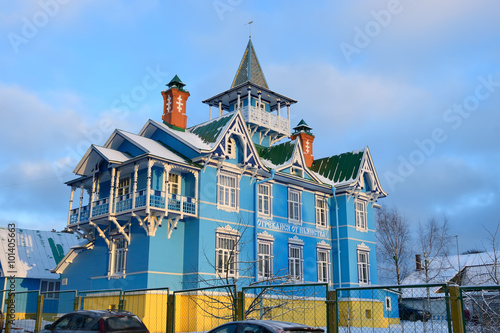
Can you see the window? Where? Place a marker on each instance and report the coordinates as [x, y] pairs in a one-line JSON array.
[[227, 191], [294, 206], [265, 259], [363, 267], [360, 215], [321, 212], [388, 303], [118, 256], [297, 171], [174, 184], [226, 252], [265, 199], [295, 260], [124, 186], [228, 328], [231, 148], [323, 265], [47, 286]]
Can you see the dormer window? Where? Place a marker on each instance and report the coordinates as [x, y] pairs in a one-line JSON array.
[[296, 171]]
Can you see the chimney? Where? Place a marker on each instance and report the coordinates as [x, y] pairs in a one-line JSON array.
[[418, 262], [303, 131], [174, 104]]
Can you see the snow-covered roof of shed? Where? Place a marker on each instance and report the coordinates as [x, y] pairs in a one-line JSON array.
[[36, 252]]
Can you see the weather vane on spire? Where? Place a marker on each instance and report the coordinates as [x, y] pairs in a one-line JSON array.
[[249, 29]]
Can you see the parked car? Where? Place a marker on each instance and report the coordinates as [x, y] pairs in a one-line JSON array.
[[408, 313], [2, 319], [264, 326], [97, 320]]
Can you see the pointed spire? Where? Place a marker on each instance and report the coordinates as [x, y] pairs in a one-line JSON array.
[[176, 83], [302, 127], [249, 69]]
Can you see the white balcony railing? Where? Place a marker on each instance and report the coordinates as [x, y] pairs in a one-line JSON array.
[[265, 119]]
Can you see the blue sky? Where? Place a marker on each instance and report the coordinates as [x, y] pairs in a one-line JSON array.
[[416, 81]]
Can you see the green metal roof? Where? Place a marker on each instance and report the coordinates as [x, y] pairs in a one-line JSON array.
[[176, 83], [277, 154], [249, 69], [209, 132], [339, 168]]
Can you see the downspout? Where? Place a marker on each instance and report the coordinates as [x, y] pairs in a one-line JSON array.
[[338, 235], [256, 202]]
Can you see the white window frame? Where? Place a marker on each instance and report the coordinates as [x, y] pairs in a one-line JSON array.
[[323, 265], [388, 303], [321, 212], [118, 256], [226, 259], [231, 148], [360, 210], [294, 206], [297, 171], [363, 257], [174, 182], [227, 194], [123, 186], [50, 287], [265, 257], [263, 198], [296, 263]]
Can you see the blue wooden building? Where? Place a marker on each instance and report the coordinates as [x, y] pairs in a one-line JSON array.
[[240, 196]]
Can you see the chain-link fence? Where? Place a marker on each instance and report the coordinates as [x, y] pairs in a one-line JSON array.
[[202, 309], [56, 304], [416, 308], [298, 303], [481, 308], [150, 305]]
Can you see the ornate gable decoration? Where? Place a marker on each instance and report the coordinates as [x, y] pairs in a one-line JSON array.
[[367, 176]]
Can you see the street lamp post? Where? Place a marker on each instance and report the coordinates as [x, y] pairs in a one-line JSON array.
[[458, 254]]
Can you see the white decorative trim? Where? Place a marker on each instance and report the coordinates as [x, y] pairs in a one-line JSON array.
[[363, 247], [323, 245], [227, 230], [265, 236], [295, 241]]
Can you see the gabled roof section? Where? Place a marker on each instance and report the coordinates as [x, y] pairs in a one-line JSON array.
[[249, 69], [94, 155], [210, 131], [348, 169], [284, 155], [339, 169], [37, 251]]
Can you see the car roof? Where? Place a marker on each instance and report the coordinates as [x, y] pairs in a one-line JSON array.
[[274, 324], [103, 313]]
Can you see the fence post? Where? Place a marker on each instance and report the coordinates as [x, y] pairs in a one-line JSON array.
[[76, 306], [456, 308], [171, 313], [239, 306], [11, 312], [331, 314], [39, 311]]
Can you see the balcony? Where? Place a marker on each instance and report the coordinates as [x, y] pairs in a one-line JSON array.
[[262, 118], [125, 204]]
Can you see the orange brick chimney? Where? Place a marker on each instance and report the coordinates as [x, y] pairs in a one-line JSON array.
[[174, 104], [303, 131]]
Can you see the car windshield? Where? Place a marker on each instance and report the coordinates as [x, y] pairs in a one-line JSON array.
[[123, 322]]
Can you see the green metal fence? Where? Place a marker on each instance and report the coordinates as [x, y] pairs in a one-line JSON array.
[[150, 305], [57, 303], [415, 308], [481, 308], [299, 303], [202, 309]]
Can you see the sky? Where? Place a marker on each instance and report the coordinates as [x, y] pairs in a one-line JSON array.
[[418, 82]]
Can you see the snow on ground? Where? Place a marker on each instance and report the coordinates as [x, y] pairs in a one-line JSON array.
[[26, 325]]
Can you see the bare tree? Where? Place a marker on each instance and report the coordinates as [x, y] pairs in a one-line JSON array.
[[393, 246], [433, 242]]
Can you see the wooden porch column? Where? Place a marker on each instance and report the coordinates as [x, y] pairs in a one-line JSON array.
[[166, 175], [134, 185], [111, 191], [196, 191], [239, 100], [220, 108], [210, 116], [71, 203], [249, 90], [92, 195], [81, 202], [148, 188], [279, 104]]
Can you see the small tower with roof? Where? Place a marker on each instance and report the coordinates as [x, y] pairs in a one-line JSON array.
[[174, 104], [266, 113], [303, 131]]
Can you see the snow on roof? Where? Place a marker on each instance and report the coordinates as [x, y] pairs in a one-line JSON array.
[[36, 252], [189, 138], [152, 147], [111, 154]]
